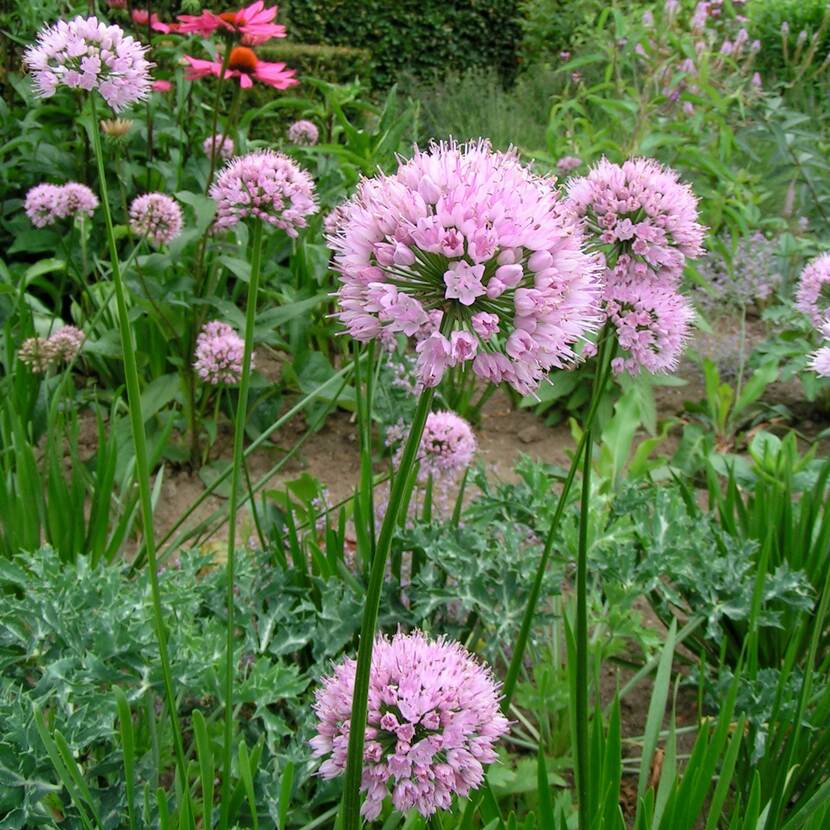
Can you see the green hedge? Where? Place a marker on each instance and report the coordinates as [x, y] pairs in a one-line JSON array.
[[337, 64], [424, 38]]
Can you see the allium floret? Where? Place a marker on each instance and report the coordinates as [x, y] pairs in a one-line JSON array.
[[88, 54], [157, 217], [433, 722], [263, 185], [303, 133], [219, 353], [460, 231], [813, 293]]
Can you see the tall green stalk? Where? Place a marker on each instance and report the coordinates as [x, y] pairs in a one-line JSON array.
[[354, 762], [238, 439], [581, 702], [142, 467], [603, 371]]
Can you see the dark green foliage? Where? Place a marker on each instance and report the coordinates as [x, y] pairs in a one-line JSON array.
[[766, 18], [421, 37], [336, 64]]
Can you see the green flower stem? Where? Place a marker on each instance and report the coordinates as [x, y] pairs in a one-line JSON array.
[[581, 702], [354, 763], [142, 466], [238, 439], [606, 349]]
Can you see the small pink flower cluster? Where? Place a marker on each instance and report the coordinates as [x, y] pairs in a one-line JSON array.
[[303, 133], [644, 224], [448, 446], [432, 724], [156, 217], [219, 353], [813, 293], [263, 185], [820, 360], [472, 254], [220, 144], [39, 353], [47, 203], [88, 54]]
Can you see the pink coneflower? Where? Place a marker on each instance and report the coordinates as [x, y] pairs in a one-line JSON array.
[[157, 217], [219, 144], [254, 24], [219, 352], [86, 54], [245, 65], [813, 293], [141, 17], [304, 133], [461, 230], [433, 722], [263, 185]]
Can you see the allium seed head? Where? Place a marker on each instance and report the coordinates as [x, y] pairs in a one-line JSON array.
[[304, 133]]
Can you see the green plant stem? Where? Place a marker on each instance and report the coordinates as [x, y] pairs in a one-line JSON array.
[[354, 762], [581, 702], [603, 371], [142, 468], [238, 438]]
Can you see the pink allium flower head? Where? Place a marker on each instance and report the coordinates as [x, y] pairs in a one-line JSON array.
[[447, 446], [39, 353], [263, 185], [47, 203], [459, 230], [643, 218], [652, 326], [224, 147], [820, 362], [76, 199], [87, 54], [219, 353], [304, 133], [568, 163], [813, 293], [66, 343], [433, 721], [43, 205], [246, 66], [254, 24], [36, 354], [157, 217]]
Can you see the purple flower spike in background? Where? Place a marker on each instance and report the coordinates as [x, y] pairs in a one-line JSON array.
[[434, 720], [88, 54], [461, 234]]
